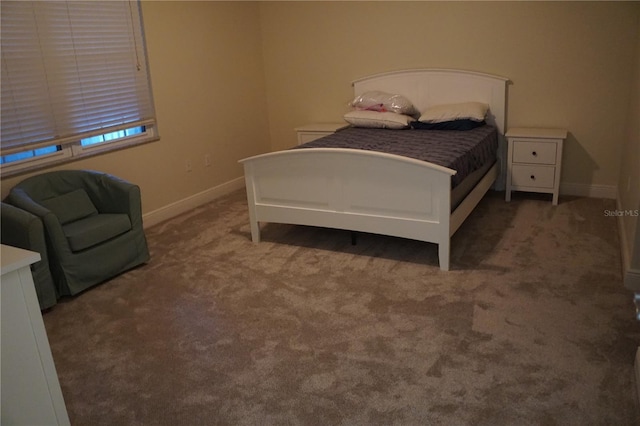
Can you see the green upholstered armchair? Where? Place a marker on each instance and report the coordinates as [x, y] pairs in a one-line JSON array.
[[23, 230], [92, 222]]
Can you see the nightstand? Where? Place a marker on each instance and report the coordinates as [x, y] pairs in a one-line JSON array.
[[312, 132], [534, 160]]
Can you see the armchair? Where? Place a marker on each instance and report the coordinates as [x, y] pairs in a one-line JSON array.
[[92, 222], [23, 230]]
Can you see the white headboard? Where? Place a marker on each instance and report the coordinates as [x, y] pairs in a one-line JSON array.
[[432, 86]]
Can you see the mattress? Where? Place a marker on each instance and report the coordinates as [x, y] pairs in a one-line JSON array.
[[463, 151]]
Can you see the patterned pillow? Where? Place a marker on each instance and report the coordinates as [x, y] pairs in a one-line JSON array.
[[467, 110], [378, 120]]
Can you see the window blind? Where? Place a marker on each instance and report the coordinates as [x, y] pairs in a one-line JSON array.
[[71, 70]]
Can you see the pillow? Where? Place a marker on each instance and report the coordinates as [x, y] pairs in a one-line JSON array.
[[71, 206], [378, 120], [464, 124], [467, 110], [376, 100]]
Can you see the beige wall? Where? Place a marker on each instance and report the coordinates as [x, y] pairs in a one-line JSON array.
[[218, 66], [570, 63], [208, 83]]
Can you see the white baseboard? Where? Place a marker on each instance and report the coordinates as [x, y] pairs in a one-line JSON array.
[[186, 204], [589, 191], [174, 209]]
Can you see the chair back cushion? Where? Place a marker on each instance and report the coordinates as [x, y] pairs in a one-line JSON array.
[[71, 206]]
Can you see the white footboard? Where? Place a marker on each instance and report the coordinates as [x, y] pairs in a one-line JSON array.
[[371, 191], [351, 189]]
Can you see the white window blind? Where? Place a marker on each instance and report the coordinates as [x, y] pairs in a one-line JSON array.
[[71, 70]]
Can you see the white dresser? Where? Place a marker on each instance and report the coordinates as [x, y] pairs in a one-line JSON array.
[[31, 393], [534, 160]]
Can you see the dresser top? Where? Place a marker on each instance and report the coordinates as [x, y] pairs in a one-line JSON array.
[[536, 132], [14, 258]]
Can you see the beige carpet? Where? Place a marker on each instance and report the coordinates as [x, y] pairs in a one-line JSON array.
[[531, 327]]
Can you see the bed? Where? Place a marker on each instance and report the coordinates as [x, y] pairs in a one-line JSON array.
[[379, 192]]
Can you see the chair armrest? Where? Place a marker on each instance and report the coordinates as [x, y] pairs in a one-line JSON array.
[[111, 194], [19, 198], [25, 230], [22, 229]]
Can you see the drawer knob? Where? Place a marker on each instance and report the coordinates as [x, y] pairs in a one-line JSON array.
[[535, 154], [533, 177]]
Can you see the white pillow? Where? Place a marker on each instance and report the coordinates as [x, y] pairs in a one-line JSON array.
[[378, 120], [475, 111], [376, 100]]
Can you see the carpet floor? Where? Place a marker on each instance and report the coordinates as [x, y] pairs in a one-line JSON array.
[[532, 326]]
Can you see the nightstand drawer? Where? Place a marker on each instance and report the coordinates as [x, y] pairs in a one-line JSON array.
[[533, 176], [534, 152]]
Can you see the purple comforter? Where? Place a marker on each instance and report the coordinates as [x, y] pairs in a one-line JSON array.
[[463, 151]]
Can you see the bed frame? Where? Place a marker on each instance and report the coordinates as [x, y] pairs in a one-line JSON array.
[[375, 192]]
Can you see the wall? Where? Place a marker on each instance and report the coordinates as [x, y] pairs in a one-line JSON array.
[[217, 66], [208, 83], [569, 62], [629, 182]]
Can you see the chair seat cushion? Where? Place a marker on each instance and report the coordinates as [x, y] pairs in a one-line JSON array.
[[71, 206], [95, 229]]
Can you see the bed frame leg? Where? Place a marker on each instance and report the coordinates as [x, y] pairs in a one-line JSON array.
[[443, 255], [255, 232]]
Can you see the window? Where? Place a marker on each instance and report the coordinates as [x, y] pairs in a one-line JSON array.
[[75, 81], [108, 137], [32, 153]]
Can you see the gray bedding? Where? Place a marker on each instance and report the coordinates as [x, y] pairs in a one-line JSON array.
[[463, 151]]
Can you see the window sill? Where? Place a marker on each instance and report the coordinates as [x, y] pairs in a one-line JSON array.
[[56, 160]]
